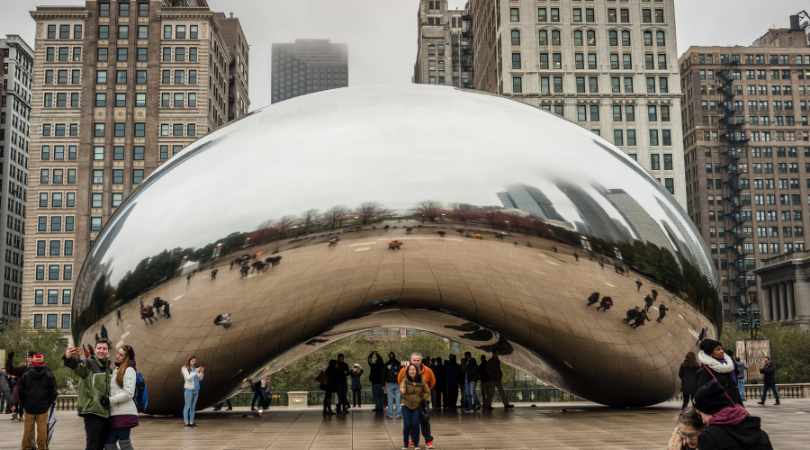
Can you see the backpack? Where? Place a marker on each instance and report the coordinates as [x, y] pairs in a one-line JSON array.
[[141, 397]]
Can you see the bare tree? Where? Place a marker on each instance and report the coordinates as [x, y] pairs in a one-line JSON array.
[[309, 218], [265, 225], [335, 215], [430, 209], [285, 223], [463, 213], [371, 210]]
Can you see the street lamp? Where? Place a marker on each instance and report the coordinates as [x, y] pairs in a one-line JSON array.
[[748, 319]]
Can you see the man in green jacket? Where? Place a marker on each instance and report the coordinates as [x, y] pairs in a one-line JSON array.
[[94, 391]]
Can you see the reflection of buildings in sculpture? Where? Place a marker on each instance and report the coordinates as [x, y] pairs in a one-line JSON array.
[[642, 224], [529, 199], [595, 218], [686, 242]]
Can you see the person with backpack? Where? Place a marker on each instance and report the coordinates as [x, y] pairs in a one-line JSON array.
[[37, 392], [123, 412], [191, 386], [93, 391], [391, 373]]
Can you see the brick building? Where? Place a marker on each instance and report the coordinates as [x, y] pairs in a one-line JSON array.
[[119, 88], [444, 52]]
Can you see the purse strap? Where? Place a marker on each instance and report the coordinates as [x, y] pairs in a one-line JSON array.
[[711, 372]]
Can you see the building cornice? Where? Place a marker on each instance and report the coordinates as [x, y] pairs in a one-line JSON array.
[[17, 41], [60, 12], [190, 13]]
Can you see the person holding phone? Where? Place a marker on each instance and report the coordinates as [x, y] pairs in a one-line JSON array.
[[191, 384], [93, 391], [357, 371]]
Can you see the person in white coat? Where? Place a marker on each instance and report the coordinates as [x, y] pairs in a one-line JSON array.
[[191, 376], [123, 412]]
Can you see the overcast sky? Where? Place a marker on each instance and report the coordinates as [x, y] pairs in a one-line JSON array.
[[382, 34]]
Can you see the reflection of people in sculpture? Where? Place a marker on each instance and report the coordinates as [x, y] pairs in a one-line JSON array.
[[593, 299], [701, 336], [395, 245], [638, 285], [662, 312], [648, 302], [641, 318], [631, 315], [214, 273], [605, 304], [224, 320], [145, 316], [333, 241]]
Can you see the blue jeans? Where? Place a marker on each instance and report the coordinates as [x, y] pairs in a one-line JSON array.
[[410, 425], [2, 404], [342, 390], [117, 434], [765, 392], [472, 397], [464, 400], [191, 404], [741, 387], [393, 392], [257, 396], [377, 392], [219, 405]]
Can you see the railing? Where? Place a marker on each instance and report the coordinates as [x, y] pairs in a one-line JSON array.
[[787, 390], [786, 257]]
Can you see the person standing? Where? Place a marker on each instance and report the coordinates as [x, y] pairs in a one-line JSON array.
[[486, 400], [93, 391], [450, 371], [768, 381], [37, 392], [701, 336], [461, 377], [375, 376], [429, 380], [191, 386], [496, 377], [390, 374], [104, 334], [741, 368], [257, 395], [329, 387], [412, 388], [123, 412], [440, 389], [729, 427], [688, 375], [4, 390], [357, 372], [648, 302], [470, 381], [717, 365], [662, 312], [641, 319], [342, 386]]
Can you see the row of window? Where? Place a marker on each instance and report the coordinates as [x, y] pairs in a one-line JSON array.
[[62, 76], [120, 130], [755, 136], [54, 270], [761, 216], [56, 223], [141, 77], [619, 138], [59, 129], [579, 61], [54, 248], [10, 309], [546, 86], [123, 9], [763, 232], [52, 321], [725, 59], [613, 38], [63, 54], [613, 15], [64, 32], [57, 153], [117, 176]]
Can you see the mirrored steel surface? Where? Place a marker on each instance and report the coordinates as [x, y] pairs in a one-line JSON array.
[[488, 204]]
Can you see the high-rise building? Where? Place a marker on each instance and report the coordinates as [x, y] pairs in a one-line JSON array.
[[16, 70], [238, 47], [610, 66], [119, 87], [307, 66], [747, 156], [444, 54]]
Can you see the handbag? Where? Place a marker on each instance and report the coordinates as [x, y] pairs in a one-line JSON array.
[[424, 411], [322, 378]]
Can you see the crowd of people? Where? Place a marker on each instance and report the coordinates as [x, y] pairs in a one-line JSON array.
[[637, 316]]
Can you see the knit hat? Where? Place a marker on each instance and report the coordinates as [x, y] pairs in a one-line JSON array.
[[708, 346], [711, 398], [38, 360], [31, 354]]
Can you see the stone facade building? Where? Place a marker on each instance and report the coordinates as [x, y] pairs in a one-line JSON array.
[[307, 66], [444, 54], [608, 65], [239, 67], [119, 88], [785, 286], [747, 155], [17, 61]]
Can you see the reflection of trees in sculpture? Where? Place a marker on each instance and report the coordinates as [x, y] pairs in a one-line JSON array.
[[463, 213], [371, 210], [308, 218], [335, 216], [430, 209]]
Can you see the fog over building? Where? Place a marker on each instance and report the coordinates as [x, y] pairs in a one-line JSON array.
[[307, 66]]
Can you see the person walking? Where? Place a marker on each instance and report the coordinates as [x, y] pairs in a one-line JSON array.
[[741, 368], [717, 365], [486, 400], [429, 379], [461, 379], [330, 387], [496, 378], [631, 315], [257, 395], [648, 302], [450, 372], [36, 392], [641, 319], [470, 381], [688, 375], [357, 372], [218, 406], [701, 336], [729, 427], [662, 312], [440, 389], [93, 398], [768, 381], [605, 304], [412, 389], [123, 412], [593, 299], [638, 285], [390, 374], [342, 386], [214, 274], [4, 390], [375, 376], [191, 385], [685, 436], [104, 332]]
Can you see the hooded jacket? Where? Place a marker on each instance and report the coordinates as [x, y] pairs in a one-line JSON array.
[[722, 372], [37, 390], [731, 429], [94, 384]]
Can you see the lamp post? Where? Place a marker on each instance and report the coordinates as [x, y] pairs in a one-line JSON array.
[[748, 319]]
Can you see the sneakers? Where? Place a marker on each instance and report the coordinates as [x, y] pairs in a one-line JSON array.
[[509, 406], [187, 426], [410, 446], [760, 403], [776, 404], [193, 425], [429, 445]]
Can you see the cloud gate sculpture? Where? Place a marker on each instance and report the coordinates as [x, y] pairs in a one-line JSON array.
[[468, 215]]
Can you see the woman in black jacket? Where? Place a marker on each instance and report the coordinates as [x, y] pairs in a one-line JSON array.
[[688, 375], [718, 366], [330, 387]]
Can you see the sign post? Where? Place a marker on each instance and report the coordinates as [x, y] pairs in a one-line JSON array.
[[753, 352]]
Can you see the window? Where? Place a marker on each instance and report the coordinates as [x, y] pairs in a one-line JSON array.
[[646, 15], [517, 85], [541, 14], [630, 113], [613, 38], [667, 161], [555, 14], [53, 272], [591, 38], [142, 54], [51, 31], [104, 10], [558, 84], [137, 176], [118, 153], [138, 153], [631, 138], [120, 77], [123, 10], [618, 137], [67, 272], [96, 201], [191, 129], [66, 317], [143, 32], [516, 60], [625, 15], [98, 176], [514, 14], [180, 32], [179, 100], [627, 62], [123, 31], [515, 37], [557, 61], [666, 137], [179, 54], [625, 38], [51, 325], [648, 41], [118, 176], [140, 78], [103, 31], [120, 129], [611, 15], [95, 224], [140, 102], [543, 37], [167, 31], [651, 85], [193, 32], [555, 38], [659, 16], [628, 85], [577, 17], [177, 129], [117, 198], [578, 38], [594, 84], [582, 113], [101, 77], [655, 163], [663, 85], [660, 39], [580, 84]]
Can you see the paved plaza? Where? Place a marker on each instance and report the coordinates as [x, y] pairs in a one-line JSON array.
[[582, 426]]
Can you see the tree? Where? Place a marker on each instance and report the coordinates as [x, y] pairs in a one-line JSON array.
[[20, 337], [284, 224], [790, 349], [371, 210], [308, 218], [335, 215], [430, 209]]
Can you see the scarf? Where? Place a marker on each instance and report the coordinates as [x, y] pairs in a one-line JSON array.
[[729, 416], [725, 366]]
